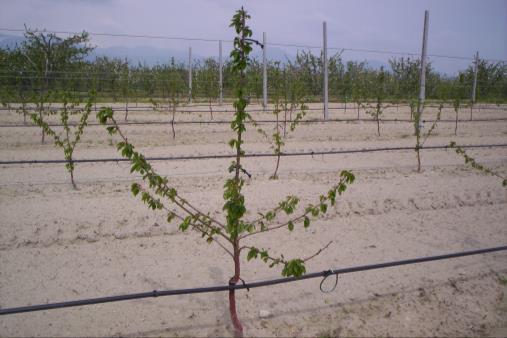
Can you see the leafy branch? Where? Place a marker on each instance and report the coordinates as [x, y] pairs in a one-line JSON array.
[[160, 185], [289, 205], [289, 266], [473, 163]]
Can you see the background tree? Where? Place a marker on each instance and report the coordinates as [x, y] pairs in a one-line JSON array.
[[47, 55], [207, 81]]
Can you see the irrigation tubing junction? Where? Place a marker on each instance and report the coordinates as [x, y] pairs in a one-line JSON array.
[[325, 274], [220, 156]]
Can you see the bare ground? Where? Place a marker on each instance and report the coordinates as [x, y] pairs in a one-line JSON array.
[[57, 243]]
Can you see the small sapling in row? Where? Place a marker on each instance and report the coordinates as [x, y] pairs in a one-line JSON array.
[[417, 128], [278, 139], [67, 139], [456, 103], [377, 109]]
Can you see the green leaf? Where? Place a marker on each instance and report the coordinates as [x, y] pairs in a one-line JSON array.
[[120, 145], [323, 208], [306, 222], [135, 188], [145, 196], [315, 212], [294, 267], [269, 215], [111, 130], [185, 224], [264, 255], [172, 193], [252, 253], [290, 225]]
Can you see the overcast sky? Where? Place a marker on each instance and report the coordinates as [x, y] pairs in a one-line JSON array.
[[456, 27]]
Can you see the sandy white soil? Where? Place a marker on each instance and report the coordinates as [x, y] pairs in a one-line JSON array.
[[58, 244]]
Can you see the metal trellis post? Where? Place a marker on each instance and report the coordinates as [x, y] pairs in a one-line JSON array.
[[220, 75], [324, 62], [190, 74], [264, 74], [474, 84], [422, 77]]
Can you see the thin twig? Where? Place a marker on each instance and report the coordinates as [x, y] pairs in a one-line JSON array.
[[318, 252]]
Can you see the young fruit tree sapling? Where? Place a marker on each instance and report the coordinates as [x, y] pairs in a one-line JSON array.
[[417, 129], [67, 140], [232, 228]]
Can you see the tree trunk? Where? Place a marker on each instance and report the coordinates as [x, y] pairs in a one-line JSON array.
[[40, 116], [23, 106], [172, 121], [418, 161], [456, 125], [285, 122], [210, 108], [72, 176], [238, 328], [417, 149], [275, 174], [126, 109]]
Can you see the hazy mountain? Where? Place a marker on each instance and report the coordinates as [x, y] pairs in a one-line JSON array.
[[154, 55], [10, 41]]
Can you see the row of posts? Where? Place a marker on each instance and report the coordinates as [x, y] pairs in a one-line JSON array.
[[422, 77]]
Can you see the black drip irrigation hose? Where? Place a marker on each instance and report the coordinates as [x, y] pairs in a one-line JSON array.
[[248, 286], [205, 157], [127, 123], [181, 109]]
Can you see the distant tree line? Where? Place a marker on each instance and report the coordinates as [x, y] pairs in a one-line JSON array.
[[45, 64]]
